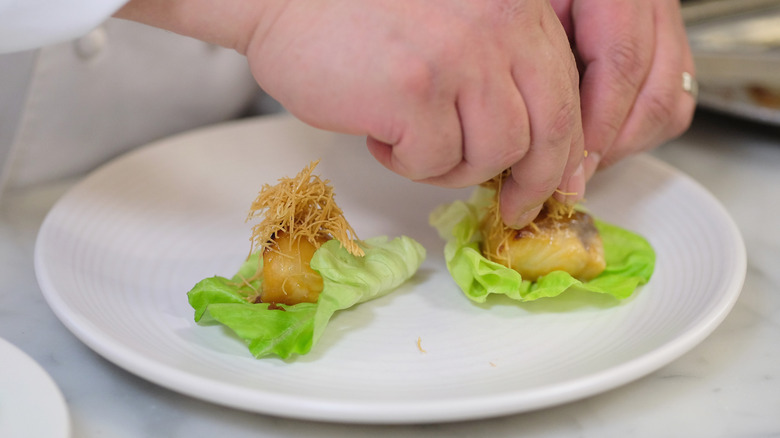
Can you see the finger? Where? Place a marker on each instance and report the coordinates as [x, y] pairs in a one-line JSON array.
[[495, 130], [562, 10], [663, 108], [555, 150], [614, 48], [572, 187], [423, 151], [426, 141]]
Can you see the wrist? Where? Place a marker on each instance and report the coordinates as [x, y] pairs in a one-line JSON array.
[[232, 24]]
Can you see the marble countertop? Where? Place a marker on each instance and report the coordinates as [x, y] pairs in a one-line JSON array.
[[728, 386]]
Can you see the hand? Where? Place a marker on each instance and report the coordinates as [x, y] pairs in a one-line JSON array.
[[447, 92], [632, 55]]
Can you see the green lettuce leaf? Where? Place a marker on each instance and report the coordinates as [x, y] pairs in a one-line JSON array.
[[629, 257], [347, 280]]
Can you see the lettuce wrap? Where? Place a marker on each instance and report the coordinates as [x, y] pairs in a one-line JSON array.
[[629, 258], [286, 330]]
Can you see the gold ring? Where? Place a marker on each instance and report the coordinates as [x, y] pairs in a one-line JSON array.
[[690, 85]]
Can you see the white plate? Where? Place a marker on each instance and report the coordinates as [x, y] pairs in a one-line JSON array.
[[31, 404], [117, 254]]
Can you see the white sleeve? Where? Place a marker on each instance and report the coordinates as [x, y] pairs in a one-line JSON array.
[[29, 24]]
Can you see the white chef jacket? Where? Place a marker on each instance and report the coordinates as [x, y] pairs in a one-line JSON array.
[[78, 88]]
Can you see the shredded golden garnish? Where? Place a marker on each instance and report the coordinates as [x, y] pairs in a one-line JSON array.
[[561, 192], [419, 345], [554, 208], [492, 219], [496, 228], [302, 207]]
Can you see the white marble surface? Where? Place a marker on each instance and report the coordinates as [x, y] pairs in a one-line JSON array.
[[728, 386]]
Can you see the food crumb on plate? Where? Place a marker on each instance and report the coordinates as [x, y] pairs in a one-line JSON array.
[[419, 345]]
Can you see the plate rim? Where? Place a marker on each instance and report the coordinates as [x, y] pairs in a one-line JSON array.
[[58, 416]]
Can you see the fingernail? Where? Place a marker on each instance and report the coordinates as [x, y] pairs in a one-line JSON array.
[[524, 218], [574, 188], [591, 163]]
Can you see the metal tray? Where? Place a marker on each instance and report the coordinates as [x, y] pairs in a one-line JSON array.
[[736, 48]]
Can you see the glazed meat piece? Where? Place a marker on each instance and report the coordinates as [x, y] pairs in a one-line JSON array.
[[287, 276], [560, 239], [298, 216]]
